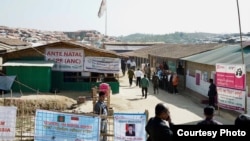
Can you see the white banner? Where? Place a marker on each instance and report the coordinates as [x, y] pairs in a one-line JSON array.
[[231, 99], [7, 123], [102, 64], [66, 59], [130, 127]]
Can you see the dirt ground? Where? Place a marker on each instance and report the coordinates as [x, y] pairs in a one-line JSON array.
[[129, 100]]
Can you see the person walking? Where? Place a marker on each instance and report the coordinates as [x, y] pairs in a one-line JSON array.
[[138, 75], [144, 86], [209, 114], [155, 81], [147, 71], [131, 75], [170, 82], [101, 108], [212, 92], [128, 63], [156, 128], [133, 64], [123, 66]]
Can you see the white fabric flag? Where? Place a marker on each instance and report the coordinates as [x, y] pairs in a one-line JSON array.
[[102, 8]]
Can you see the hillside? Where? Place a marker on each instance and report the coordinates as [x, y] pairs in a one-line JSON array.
[[95, 38], [177, 37]]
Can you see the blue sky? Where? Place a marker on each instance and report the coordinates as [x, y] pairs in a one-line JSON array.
[[126, 17]]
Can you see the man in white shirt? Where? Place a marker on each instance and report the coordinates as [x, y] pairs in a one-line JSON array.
[[133, 64], [128, 64], [138, 75]]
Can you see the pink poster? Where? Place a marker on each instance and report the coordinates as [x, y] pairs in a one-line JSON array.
[[231, 76]]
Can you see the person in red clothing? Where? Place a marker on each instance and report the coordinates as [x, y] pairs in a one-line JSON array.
[[155, 80], [175, 83]]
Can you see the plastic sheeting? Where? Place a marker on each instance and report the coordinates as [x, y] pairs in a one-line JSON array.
[[6, 82]]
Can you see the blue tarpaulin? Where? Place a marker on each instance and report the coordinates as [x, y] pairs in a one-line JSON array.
[[6, 82]]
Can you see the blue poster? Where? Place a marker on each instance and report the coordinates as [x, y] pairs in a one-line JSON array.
[[55, 126]]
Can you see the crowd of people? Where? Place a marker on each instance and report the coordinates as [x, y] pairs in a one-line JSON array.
[[162, 77], [160, 127]]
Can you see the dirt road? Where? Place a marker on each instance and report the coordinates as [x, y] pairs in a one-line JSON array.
[[183, 109], [129, 100]]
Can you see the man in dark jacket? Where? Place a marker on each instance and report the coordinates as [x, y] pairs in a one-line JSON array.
[[209, 114], [212, 92], [144, 86], [101, 108], [242, 120], [131, 75], [157, 128], [123, 66]]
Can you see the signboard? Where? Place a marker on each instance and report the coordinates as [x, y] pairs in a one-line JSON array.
[[66, 59], [231, 99], [102, 64], [172, 66], [7, 123], [231, 76], [130, 127], [66, 127]]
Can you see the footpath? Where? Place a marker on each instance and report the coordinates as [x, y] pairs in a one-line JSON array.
[[183, 108]]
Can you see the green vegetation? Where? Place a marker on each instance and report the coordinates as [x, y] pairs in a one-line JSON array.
[[177, 37]]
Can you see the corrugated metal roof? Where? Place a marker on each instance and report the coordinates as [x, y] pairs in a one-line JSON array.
[[69, 43], [30, 63], [90, 47], [176, 50], [230, 54]]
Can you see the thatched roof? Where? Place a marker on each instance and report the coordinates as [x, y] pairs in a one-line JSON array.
[[174, 50]]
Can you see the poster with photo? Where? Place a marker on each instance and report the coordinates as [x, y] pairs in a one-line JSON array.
[[129, 127], [58, 126], [231, 76]]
